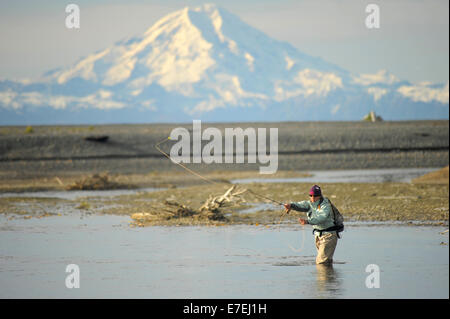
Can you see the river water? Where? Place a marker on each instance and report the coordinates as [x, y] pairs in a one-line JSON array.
[[401, 175], [118, 261]]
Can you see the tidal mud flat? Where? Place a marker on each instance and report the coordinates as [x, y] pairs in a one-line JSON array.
[[149, 186], [416, 202]]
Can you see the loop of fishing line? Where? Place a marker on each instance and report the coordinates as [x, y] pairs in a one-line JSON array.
[[183, 166], [207, 179], [284, 213]]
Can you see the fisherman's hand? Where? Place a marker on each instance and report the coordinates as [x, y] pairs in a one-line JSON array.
[[287, 207], [303, 221]]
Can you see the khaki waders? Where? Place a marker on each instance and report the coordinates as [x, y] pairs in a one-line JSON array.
[[325, 244]]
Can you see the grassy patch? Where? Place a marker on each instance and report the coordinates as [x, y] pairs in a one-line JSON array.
[[29, 130]]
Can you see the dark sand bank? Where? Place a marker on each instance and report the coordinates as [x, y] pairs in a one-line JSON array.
[[51, 151]]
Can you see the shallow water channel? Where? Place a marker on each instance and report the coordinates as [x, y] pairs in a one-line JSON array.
[[400, 175], [118, 261]]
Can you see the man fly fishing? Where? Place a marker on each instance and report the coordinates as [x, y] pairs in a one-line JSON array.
[[321, 215]]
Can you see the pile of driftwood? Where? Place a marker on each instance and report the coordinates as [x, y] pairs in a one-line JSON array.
[[212, 206], [211, 210], [95, 182]]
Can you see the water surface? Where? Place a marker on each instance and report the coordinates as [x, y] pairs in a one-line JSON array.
[[76, 194], [403, 175], [118, 261]]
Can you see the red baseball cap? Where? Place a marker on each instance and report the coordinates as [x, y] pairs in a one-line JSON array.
[[315, 190]]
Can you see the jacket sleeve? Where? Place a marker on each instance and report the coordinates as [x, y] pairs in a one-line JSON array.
[[302, 206], [321, 215]]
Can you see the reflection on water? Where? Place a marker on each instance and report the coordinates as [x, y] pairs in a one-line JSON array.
[[328, 281]]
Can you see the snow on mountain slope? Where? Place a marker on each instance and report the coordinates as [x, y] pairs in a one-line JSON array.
[[205, 62]]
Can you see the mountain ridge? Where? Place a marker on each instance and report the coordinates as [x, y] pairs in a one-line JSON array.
[[206, 63]]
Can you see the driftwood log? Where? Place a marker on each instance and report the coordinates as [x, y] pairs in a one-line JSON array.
[[213, 204], [210, 210]]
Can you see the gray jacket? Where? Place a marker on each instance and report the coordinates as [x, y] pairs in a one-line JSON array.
[[319, 216]]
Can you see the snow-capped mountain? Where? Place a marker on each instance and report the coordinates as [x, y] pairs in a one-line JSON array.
[[205, 63]]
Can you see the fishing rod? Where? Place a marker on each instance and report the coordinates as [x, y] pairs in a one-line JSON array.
[[261, 196]]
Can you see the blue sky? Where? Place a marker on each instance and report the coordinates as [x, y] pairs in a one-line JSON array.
[[412, 41]]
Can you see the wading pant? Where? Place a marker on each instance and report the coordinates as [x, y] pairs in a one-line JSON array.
[[325, 244]]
